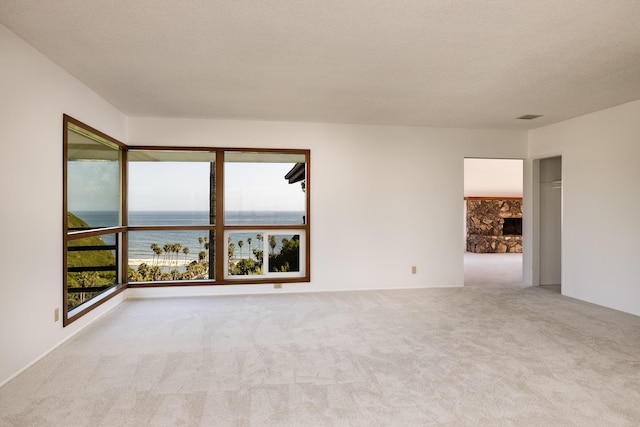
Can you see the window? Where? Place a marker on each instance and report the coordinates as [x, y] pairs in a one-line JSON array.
[[171, 200], [181, 200], [169, 216], [265, 211], [92, 227]]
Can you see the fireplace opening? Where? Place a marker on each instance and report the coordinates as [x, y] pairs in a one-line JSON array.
[[512, 227]]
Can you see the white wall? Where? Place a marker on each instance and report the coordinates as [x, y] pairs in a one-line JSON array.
[[600, 154], [383, 198], [34, 93], [493, 178]]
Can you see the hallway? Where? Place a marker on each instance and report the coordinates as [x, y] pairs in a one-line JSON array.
[[493, 270], [496, 271]]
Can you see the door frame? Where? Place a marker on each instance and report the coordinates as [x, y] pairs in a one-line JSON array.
[[531, 221], [526, 180]]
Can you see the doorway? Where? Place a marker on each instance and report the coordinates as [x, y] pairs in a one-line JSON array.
[[550, 214], [492, 229]]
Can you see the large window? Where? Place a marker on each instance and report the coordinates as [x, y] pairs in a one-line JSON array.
[[216, 216], [93, 222], [167, 216], [171, 202], [265, 213]]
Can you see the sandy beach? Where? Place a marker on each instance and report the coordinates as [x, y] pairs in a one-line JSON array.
[[161, 262]]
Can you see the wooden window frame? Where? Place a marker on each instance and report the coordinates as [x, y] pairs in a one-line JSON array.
[[68, 316], [219, 227]]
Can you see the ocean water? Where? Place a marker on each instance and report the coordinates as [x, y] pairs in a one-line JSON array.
[[140, 241]]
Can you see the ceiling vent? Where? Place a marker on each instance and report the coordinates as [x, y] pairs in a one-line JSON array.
[[529, 116]]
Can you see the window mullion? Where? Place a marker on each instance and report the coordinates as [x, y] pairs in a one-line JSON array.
[[218, 202]]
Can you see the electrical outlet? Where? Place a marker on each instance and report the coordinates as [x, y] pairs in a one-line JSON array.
[[56, 315], [413, 269], [277, 286]]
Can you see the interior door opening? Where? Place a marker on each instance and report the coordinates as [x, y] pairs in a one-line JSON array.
[[550, 228], [492, 229]]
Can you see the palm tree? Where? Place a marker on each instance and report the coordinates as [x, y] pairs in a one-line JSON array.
[[143, 271], [135, 275], [167, 250], [177, 247], [258, 252], [157, 251], [249, 240], [272, 243], [240, 244], [260, 238], [153, 249], [185, 251]]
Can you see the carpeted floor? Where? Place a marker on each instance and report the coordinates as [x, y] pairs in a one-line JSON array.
[[479, 355], [493, 270], [497, 270]]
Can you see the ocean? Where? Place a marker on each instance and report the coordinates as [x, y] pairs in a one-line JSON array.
[[140, 241]]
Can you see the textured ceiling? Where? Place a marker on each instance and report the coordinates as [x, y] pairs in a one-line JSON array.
[[422, 62]]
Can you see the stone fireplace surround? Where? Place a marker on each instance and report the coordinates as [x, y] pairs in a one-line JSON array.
[[485, 221]]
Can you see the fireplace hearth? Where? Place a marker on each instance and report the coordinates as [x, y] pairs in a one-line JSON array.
[[494, 225], [512, 227]]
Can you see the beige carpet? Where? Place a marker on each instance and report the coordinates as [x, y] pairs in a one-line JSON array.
[[493, 270], [478, 355]]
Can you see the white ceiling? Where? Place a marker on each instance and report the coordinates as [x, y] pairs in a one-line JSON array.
[[456, 63]]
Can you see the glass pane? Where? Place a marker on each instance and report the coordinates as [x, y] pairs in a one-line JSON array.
[[264, 188], [171, 187], [170, 255], [168, 217], [245, 253], [284, 252], [91, 268], [93, 180]]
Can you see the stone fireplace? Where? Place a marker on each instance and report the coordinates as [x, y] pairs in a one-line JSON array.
[[494, 225]]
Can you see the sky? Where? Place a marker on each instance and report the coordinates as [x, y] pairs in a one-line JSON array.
[[183, 186], [93, 186]]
